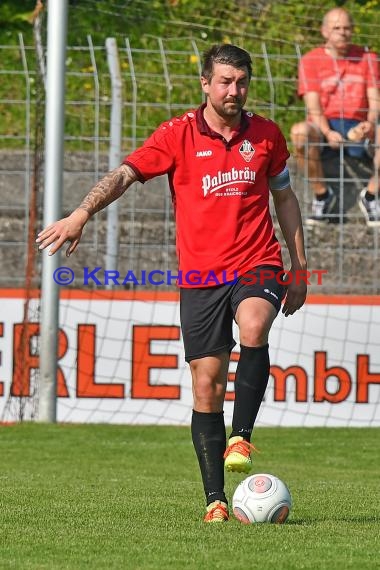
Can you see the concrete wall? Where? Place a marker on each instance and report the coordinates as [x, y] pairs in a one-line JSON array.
[[348, 250]]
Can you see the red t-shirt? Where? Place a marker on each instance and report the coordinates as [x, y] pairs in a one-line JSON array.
[[220, 193], [341, 83]]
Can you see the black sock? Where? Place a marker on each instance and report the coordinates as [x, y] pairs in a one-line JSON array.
[[251, 380], [209, 439]]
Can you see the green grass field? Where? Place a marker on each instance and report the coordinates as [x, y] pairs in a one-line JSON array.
[[120, 497]]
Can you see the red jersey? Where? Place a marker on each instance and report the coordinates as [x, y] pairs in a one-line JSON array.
[[220, 193], [341, 82]]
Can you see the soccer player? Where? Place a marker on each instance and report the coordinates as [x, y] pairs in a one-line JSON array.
[[339, 83], [222, 163]]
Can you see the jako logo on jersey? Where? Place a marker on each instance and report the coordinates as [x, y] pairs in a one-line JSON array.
[[204, 153], [221, 179], [247, 151]]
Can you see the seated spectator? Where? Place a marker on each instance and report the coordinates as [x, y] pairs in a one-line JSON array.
[[339, 83]]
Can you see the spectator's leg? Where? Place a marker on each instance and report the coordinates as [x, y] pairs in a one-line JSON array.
[[374, 182], [306, 138], [369, 202]]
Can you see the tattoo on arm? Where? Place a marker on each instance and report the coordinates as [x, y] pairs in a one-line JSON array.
[[108, 189]]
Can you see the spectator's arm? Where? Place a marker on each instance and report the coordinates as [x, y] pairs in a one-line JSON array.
[[315, 112], [373, 105]]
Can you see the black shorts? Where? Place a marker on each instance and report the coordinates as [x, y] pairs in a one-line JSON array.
[[207, 313]]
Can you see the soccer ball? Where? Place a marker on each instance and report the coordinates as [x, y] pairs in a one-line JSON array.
[[261, 498]]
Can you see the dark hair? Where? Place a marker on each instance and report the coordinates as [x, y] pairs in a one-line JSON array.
[[227, 54]]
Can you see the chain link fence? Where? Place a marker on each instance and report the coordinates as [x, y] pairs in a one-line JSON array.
[[155, 85]]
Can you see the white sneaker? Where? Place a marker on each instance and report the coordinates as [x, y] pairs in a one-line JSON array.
[[370, 209], [320, 209]]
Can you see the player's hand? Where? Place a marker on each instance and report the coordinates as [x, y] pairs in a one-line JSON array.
[[334, 139], [65, 230], [296, 292]]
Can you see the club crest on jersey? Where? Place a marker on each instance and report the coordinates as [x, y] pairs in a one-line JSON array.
[[247, 151]]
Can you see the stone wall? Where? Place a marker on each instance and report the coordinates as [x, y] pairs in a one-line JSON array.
[[347, 250]]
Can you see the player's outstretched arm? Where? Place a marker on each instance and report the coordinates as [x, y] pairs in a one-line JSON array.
[[69, 229], [289, 218], [65, 230]]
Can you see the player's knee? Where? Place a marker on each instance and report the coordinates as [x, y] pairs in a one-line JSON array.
[[208, 395], [206, 390], [254, 334]]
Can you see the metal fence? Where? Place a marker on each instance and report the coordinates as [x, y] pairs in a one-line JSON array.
[[155, 84]]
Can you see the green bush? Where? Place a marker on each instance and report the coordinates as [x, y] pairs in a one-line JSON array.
[[277, 28]]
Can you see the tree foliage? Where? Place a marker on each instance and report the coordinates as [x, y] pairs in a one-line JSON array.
[[278, 23], [279, 28]]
